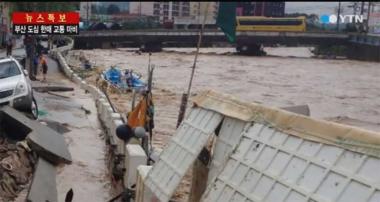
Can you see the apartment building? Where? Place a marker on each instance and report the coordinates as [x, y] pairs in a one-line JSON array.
[[5, 21], [198, 10], [165, 11], [268, 9]]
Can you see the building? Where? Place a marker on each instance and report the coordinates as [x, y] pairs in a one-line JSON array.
[[374, 19], [198, 9], [5, 21], [268, 9], [165, 11], [85, 10]]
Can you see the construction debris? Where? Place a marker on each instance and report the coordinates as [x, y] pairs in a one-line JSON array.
[[85, 110], [43, 187], [43, 89], [45, 141], [16, 168], [59, 95]]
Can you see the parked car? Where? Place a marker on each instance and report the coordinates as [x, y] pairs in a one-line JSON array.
[[15, 87]]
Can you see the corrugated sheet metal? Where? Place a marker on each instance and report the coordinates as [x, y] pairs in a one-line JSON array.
[[228, 138], [181, 152], [272, 166]]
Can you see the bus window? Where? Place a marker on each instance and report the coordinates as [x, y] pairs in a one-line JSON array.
[[270, 22]]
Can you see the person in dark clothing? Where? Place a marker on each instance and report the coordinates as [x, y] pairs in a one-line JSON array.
[[9, 45], [36, 62]]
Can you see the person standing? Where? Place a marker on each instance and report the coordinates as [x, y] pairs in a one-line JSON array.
[[9, 44], [44, 67], [36, 62]]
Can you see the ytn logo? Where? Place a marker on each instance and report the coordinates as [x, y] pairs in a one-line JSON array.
[[326, 19]]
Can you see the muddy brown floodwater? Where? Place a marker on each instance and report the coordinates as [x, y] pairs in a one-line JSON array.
[[344, 91]]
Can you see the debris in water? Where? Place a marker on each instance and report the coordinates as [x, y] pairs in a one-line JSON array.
[[85, 110]]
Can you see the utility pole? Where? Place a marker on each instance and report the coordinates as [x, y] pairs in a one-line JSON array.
[[140, 9], [199, 13], [337, 24], [369, 10], [362, 8], [87, 8]]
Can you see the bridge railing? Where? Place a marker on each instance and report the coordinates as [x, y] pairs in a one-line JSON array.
[[365, 39]]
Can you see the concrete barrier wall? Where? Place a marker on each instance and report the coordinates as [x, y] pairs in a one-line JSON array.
[[108, 118]]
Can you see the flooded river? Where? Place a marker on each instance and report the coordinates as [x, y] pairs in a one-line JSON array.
[[344, 91]]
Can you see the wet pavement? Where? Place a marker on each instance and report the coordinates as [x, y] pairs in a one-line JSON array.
[[87, 175]]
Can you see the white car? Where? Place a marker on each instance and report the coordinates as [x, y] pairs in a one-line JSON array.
[[15, 87]]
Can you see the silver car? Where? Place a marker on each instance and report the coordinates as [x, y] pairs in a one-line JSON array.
[[15, 87]]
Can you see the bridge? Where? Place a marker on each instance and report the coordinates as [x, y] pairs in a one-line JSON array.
[[174, 38], [360, 46]]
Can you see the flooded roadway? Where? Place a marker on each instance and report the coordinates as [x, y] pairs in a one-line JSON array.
[[344, 91]]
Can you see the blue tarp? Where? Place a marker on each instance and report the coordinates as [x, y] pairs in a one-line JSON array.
[[115, 76]]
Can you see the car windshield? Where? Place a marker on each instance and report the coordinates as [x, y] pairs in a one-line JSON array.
[[8, 69]]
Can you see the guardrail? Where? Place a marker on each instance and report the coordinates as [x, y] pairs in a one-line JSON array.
[[207, 33]]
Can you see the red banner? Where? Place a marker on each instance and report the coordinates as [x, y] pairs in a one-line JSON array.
[[46, 18]]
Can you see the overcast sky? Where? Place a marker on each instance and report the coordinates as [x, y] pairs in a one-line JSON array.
[[316, 7]]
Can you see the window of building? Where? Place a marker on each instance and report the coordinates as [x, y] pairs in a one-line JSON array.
[[166, 7], [156, 5], [175, 13], [156, 12], [185, 9]]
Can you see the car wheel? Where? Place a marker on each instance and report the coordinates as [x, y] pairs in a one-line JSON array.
[[34, 109]]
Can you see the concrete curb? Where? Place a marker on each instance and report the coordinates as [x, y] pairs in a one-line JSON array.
[[106, 115], [108, 118]]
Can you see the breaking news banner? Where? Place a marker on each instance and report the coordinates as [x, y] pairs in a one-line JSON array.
[[56, 23]]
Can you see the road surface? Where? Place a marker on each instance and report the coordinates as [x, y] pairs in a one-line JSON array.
[[87, 175]]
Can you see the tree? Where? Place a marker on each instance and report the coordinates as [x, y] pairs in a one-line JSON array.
[[113, 9]]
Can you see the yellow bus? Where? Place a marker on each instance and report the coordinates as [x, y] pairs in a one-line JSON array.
[[258, 23]]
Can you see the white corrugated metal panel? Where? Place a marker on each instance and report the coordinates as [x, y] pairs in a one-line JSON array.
[[181, 152], [228, 138], [135, 156], [142, 193], [272, 166]]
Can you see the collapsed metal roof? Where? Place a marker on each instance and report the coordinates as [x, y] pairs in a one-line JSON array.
[[267, 154]]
